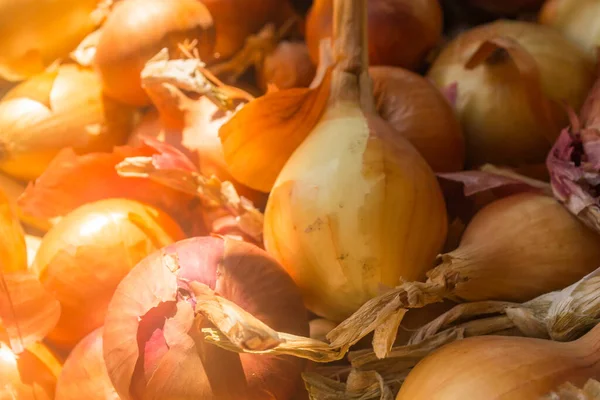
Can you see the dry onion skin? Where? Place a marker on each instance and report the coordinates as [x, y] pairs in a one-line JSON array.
[[496, 367], [288, 66], [401, 32], [511, 77], [576, 19], [407, 102], [31, 375], [84, 374], [34, 33], [82, 259], [63, 107], [136, 30], [153, 345], [340, 245]]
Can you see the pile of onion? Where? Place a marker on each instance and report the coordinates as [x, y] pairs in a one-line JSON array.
[[401, 32], [153, 344], [82, 259], [576, 19], [62, 107], [511, 78]]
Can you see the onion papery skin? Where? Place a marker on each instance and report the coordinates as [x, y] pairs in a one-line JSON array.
[[520, 247], [150, 332], [346, 212], [84, 374], [54, 110], [82, 259], [499, 367], [407, 102], [493, 101], [504, 7], [34, 33], [288, 66], [31, 375], [578, 20], [136, 30], [401, 32]]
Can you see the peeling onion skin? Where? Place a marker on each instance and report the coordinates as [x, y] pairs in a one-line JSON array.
[[493, 106], [502, 368], [151, 326], [407, 102], [82, 259], [55, 110], [401, 32], [84, 374]]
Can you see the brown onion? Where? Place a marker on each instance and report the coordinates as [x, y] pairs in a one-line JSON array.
[[401, 32], [576, 19], [64, 107], [507, 6], [288, 66], [83, 258], [84, 374], [136, 30], [153, 346], [416, 109], [511, 78]]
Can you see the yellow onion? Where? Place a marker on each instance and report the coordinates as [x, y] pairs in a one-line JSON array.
[[84, 374], [420, 113], [507, 6], [355, 206], [498, 367], [136, 30], [401, 32], [511, 77], [60, 108], [288, 66], [154, 346], [576, 19], [34, 33], [30, 375], [13, 189], [82, 259]]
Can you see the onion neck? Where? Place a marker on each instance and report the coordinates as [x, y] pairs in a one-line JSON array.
[[350, 79]]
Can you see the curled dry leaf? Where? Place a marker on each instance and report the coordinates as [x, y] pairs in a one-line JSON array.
[[361, 385]]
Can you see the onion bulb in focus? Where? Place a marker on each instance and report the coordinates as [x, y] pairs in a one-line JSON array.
[[355, 206], [511, 77], [136, 30], [31, 375], [288, 66], [84, 374], [153, 343], [499, 367], [579, 20], [401, 32], [63, 107], [34, 33], [420, 113], [82, 259]]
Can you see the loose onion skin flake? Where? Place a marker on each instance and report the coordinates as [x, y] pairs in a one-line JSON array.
[[83, 258], [153, 346]]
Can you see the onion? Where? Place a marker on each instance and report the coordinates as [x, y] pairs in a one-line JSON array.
[[507, 6], [33, 245], [341, 245], [288, 66], [578, 20], [13, 189], [84, 374], [401, 32], [30, 375], [496, 367], [408, 103], [34, 33], [61, 108], [83, 258], [153, 346], [136, 30], [510, 79]]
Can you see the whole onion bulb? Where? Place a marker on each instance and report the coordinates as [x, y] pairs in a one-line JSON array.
[[579, 20], [401, 32], [153, 344], [288, 66], [511, 78], [31, 375], [82, 259], [64, 107]]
